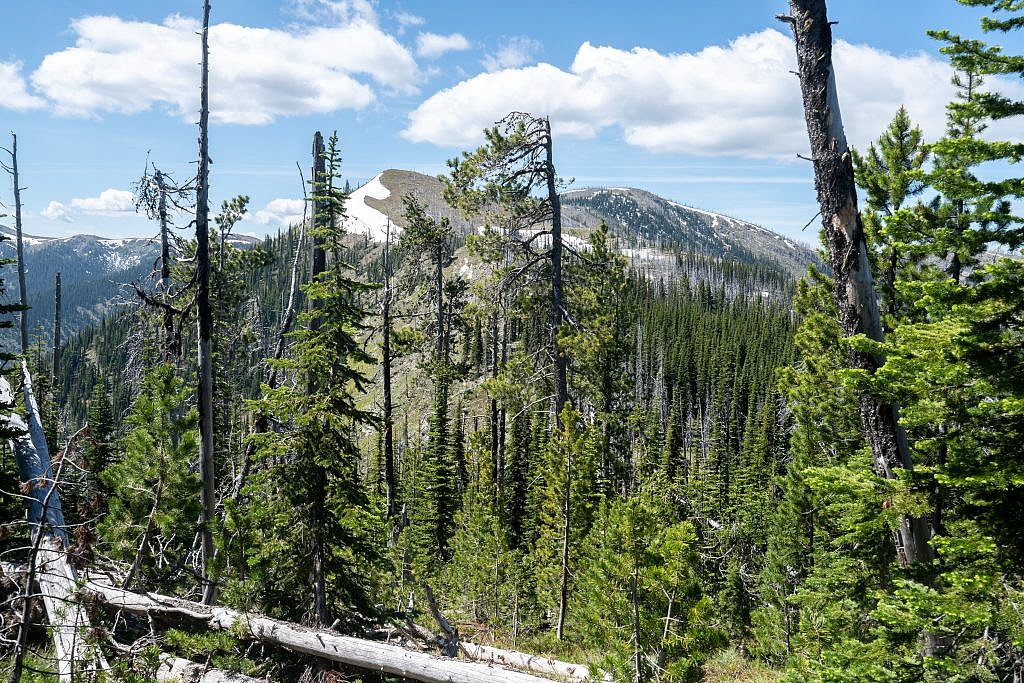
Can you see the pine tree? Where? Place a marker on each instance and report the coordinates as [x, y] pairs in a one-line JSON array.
[[153, 489], [566, 513]]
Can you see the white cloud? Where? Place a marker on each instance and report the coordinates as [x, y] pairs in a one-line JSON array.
[[56, 211], [513, 53], [322, 11], [406, 20], [109, 201], [280, 212], [13, 91], [433, 45], [257, 74], [740, 99]]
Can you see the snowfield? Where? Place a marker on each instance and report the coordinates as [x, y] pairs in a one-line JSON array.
[[362, 219]]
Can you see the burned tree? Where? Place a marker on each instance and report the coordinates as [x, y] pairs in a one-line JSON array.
[[156, 195], [12, 169], [205, 322], [853, 287]]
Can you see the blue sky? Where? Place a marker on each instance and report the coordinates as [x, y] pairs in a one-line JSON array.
[[692, 100]]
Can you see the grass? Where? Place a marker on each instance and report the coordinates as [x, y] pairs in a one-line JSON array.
[[729, 666]]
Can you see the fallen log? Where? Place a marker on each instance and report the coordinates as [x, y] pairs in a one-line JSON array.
[[527, 662], [48, 563], [524, 661], [364, 654], [178, 670]]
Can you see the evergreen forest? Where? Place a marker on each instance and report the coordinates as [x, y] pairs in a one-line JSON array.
[[491, 440]]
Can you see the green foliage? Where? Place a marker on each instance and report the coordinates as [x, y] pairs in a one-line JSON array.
[[567, 504], [154, 493], [308, 503], [642, 602]]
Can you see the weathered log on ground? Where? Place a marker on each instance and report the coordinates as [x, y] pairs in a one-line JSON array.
[[185, 671], [527, 662], [364, 654], [523, 661]]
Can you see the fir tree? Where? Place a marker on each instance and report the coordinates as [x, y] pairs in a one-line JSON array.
[[309, 506]]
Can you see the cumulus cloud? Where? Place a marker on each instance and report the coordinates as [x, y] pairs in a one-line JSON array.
[[256, 74], [433, 45], [739, 99], [13, 89], [56, 211], [280, 212], [109, 201], [513, 53]]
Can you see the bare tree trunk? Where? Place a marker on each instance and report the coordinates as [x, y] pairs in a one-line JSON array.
[[560, 362], [19, 244], [853, 290], [319, 265], [325, 644], [48, 559], [557, 291], [206, 453], [54, 372], [169, 346], [389, 428]]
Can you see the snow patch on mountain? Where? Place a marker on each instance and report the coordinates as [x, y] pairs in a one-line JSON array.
[[362, 219]]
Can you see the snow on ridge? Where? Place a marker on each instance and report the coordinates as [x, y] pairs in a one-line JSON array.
[[363, 219]]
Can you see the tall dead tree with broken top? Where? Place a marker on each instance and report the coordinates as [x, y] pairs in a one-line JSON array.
[[853, 287], [12, 169], [205, 320]]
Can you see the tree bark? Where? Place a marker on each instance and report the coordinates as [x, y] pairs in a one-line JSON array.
[[389, 427], [19, 244], [320, 183], [205, 322], [853, 290]]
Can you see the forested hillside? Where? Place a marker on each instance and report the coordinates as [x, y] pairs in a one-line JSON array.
[[571, 433]]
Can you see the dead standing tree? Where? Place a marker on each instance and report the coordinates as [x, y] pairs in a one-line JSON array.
[[205, 320], [853, 288], [12, 169], [157, 195]]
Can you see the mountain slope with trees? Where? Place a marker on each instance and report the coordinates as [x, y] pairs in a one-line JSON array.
[[491, 413]]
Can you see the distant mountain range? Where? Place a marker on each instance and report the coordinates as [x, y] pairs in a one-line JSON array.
[[654, 233]]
